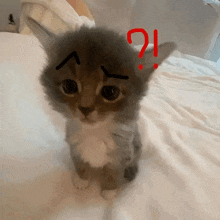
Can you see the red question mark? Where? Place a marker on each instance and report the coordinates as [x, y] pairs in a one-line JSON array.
[[146, 38]]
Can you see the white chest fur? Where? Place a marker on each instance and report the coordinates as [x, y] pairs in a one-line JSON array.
[[93, 143]]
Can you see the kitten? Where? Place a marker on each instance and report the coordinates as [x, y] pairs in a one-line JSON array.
[[92, 78]]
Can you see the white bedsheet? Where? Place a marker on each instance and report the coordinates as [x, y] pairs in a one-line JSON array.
[[179, 174]]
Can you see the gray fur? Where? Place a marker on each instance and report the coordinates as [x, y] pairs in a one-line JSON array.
[[98, 46]]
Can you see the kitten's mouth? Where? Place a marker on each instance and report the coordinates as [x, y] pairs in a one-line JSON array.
[[87, 120]]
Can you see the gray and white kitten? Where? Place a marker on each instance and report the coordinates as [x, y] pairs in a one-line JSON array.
[[92, 78]]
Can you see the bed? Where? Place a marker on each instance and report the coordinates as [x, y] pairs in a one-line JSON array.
[[179, 122]]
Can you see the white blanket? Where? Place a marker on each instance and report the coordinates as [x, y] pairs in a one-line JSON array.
[[179, 174]]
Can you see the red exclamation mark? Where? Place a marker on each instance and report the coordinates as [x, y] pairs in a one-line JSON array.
[[155, 46]]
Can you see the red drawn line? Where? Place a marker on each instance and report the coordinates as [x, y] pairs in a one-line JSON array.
[[155, 42], [155, 46]]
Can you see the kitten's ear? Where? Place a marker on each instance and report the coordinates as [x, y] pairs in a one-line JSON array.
[[44, 35], [148, 60]]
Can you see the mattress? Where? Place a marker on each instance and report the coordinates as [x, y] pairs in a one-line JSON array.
[[179, 122]]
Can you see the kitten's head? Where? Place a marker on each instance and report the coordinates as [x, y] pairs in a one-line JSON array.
[[92, 73]]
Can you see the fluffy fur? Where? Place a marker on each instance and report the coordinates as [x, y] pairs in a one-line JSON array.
[[102, 134]]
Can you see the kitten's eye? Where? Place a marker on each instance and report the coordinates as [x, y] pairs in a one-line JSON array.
[[110, 92], [69, 87]]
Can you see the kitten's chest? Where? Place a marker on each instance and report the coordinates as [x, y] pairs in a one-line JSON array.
[[93, 143]]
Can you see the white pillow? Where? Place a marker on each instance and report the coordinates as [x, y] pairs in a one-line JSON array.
[[58, 15]]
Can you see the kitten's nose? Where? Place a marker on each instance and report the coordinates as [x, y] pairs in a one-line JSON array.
[[86, 110]]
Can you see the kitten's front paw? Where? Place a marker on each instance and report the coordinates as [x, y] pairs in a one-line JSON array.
[[80, 183], [109, 194]]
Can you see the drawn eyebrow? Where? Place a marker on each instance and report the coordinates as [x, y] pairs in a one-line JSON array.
[[73, 54], [113, 75]]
